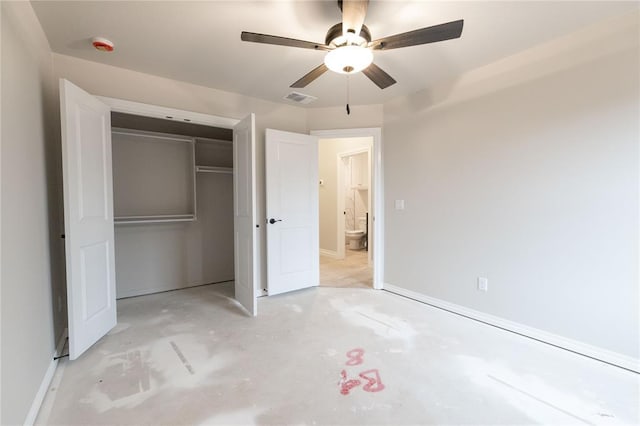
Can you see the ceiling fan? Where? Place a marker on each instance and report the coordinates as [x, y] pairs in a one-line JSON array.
[[349, 46]]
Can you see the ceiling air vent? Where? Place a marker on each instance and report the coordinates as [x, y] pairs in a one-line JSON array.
[[300, 98]]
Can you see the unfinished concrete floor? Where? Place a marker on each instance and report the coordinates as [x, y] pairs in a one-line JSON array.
[[192, 357], [352, 271]]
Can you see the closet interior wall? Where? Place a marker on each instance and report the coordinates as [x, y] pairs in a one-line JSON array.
[[173, 204]]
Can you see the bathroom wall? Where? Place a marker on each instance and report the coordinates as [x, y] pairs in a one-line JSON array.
[[356, 189], [328, 157], [348, 194]]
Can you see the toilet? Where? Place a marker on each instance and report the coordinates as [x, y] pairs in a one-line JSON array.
[[354, 238]]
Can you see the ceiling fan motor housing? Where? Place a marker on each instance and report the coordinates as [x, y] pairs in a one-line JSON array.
[[335, 32]]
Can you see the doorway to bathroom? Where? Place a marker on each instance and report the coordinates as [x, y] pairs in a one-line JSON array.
[[346, 196]]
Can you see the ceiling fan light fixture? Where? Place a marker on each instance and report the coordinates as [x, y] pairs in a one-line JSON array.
[[348, 59]]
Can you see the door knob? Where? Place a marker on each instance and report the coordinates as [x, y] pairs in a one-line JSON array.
[[272, 220]]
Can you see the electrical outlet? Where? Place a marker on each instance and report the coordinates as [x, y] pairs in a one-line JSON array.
[[483, 284], [399, 204]]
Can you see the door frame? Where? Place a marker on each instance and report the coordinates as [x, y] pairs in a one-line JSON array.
[[155, 111], [377, 173], [341, 238]]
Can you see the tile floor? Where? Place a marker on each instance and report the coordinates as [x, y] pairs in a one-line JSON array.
[[353, 271], [326, 356]]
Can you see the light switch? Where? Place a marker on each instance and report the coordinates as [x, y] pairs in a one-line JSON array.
[[483, 284], [399, 204]]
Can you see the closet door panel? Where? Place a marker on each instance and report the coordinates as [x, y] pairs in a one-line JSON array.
[[88, 214]]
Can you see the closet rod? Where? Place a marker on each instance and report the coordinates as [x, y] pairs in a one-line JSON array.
[[211, 140], [125, 220], [212, 169]]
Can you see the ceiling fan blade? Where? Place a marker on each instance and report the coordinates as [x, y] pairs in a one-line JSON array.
[[310, 76], [441, 32], [378, 76], [353, 13], [281, 41]]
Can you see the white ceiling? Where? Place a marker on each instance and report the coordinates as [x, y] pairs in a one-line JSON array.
[[199, 42]]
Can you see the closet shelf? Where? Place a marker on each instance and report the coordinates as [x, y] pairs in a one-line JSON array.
[[214, 169], [126, 220], [213, 141]]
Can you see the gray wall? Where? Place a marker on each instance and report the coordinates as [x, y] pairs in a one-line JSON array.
[[30, 244], [169, 256], [362, 116], [159, 257], [525, 172]]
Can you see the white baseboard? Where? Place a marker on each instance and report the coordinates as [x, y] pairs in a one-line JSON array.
[[46, 381], [121, 294], [329, 253], [578, 347]]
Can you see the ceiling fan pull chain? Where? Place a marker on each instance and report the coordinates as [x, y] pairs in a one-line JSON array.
[[348, 109]]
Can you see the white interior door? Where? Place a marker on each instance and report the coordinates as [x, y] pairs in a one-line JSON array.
[[244, 211], [88, 214], [292, 211]]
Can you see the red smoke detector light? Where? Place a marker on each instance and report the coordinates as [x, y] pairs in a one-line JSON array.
[[102, 44]]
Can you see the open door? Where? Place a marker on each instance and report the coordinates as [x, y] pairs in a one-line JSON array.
[[244, 213], [292, 211], [88, 214]]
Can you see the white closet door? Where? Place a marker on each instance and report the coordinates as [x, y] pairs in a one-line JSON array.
[[292, 211], [88, 206], [244, 211]]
